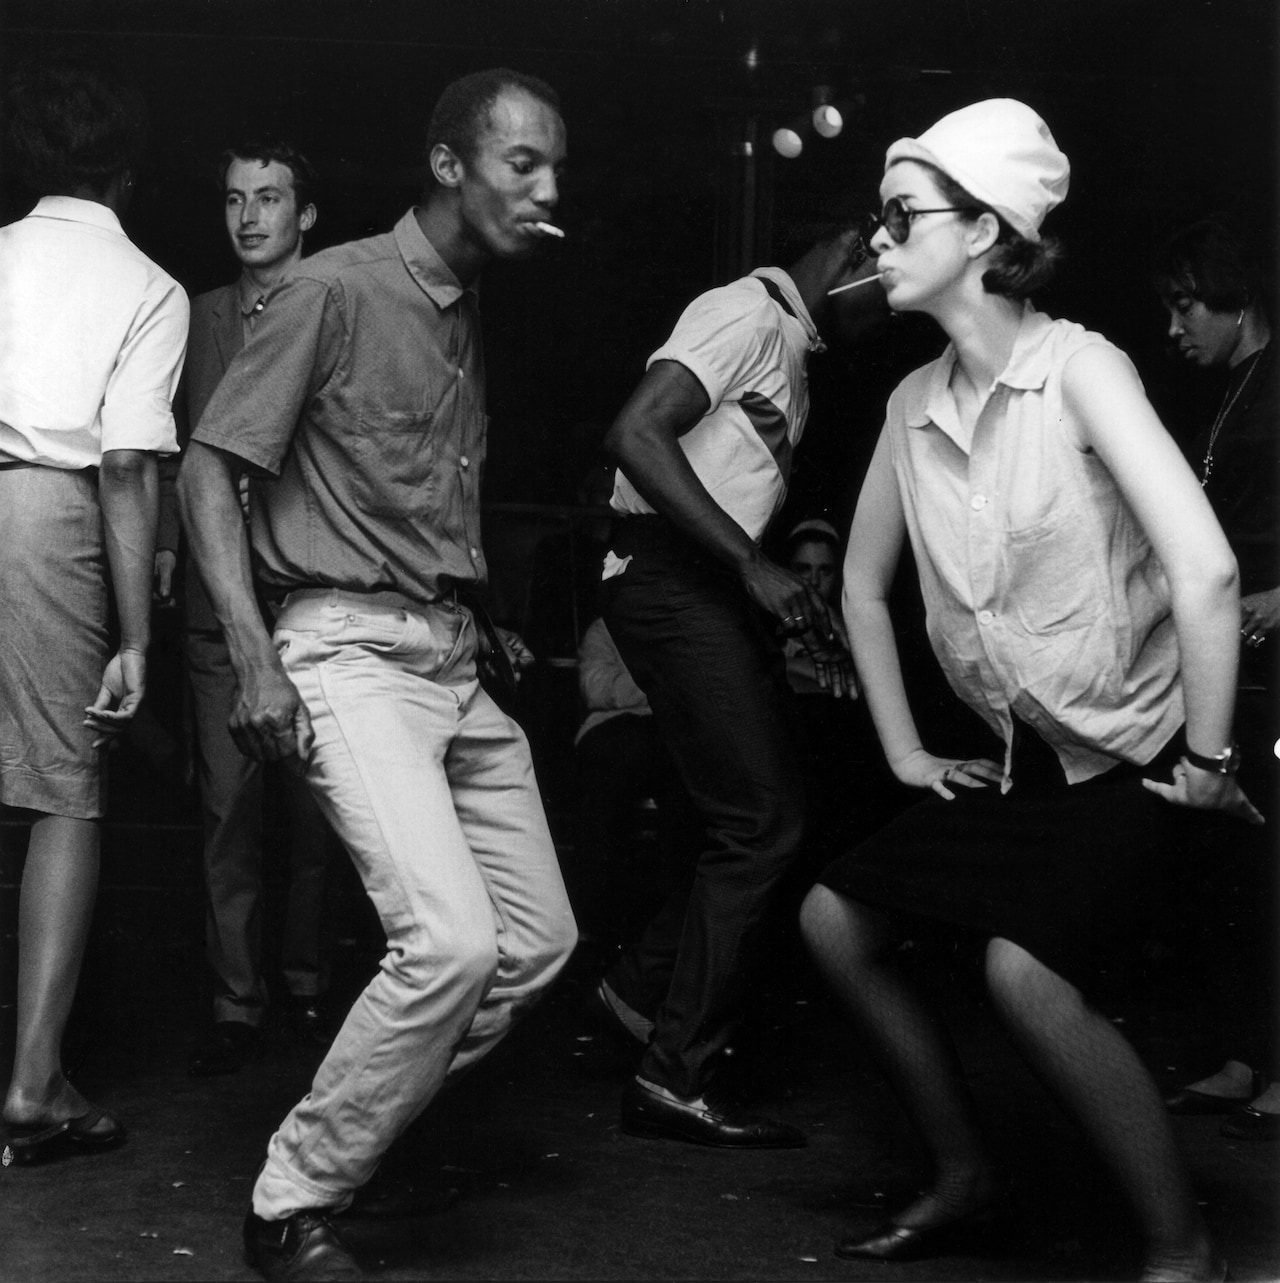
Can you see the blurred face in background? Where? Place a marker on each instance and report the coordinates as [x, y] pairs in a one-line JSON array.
[[814, 560]]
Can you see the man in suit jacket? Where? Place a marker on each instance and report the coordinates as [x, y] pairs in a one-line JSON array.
[[268, 207]]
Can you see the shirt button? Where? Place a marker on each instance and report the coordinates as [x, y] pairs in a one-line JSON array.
[[462, 374], [464, 462], [978, 502], [475, 553], [985, 616]]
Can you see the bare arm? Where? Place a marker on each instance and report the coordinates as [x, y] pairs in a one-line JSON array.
[[1120, 425], [871, 561], [644, 438], [128, 492], [269, 720]]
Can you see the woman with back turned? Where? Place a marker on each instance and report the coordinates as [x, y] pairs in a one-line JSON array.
[[92, 335]]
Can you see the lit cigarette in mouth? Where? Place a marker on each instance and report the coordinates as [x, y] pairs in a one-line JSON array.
[[550, 229], [853, 285]]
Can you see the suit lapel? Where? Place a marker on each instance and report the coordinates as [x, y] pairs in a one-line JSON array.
[[228, 327]]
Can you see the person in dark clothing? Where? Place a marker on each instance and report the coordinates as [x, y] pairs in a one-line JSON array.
[[704, 448], [1214, 290]]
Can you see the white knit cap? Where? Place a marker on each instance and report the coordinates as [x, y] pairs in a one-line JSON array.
[[1001, 153]]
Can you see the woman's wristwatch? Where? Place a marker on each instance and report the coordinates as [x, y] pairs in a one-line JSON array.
[[1225, 763]]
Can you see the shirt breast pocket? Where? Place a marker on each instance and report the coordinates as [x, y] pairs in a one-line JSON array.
[[1051, 573], [396, 454]]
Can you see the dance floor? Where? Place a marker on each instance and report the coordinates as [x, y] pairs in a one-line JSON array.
[[520, 1171]]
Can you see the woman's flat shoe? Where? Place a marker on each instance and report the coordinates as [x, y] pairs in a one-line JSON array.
[[37, 1142], [1251, 1124], [892, 1242], [1186, 1101]]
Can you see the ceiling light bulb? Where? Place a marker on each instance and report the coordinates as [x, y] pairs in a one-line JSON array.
[[788, 143], [827, 120]]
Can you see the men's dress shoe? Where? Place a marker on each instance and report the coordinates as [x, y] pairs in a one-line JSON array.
[[1251, 1124], [302, 1248], [1186, 1101], [90, 1133], [309, 1023], [621, 1017], [230, 1046], [649, 1111]]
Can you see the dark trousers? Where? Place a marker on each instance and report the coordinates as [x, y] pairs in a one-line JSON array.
[[709, 663], [615, 879]]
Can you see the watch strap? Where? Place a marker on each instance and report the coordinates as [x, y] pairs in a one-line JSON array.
[[1225, 763]]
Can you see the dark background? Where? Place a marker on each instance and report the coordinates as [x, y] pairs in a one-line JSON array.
[[1167, 110]]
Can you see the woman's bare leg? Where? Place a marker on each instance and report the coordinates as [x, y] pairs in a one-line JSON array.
[[853, 947], [59, 887]]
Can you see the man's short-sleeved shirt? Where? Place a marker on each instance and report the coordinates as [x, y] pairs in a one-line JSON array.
[[750, 355], [92, 335], [360, 397]]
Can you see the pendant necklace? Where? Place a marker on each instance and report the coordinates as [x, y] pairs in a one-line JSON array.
[[1227, 406]]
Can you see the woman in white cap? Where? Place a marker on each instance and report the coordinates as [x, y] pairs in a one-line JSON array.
[[1081, 597]]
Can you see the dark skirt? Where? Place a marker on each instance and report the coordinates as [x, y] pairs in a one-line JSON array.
[[1075, 874]]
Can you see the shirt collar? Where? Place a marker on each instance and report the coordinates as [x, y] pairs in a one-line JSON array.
[[1027, 369], [792, 295], [247, 295], [71, 209], [425, 265]]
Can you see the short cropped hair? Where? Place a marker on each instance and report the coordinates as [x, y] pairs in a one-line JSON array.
[[1019, 267], [266, 150], [1212, 261], [464, 110], [71, 124]]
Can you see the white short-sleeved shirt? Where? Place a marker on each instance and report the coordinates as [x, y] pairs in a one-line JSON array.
[[92, 335], [751, 357]]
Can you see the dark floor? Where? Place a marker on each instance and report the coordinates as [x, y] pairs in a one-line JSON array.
[[547, 1186]]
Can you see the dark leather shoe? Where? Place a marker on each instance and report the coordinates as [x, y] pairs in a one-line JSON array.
[[893, 1242], [1251, 1124], [309, 1023], [92, 1132], [646, 1111], [230, 1046], [1186, 1101], [302, 1248]]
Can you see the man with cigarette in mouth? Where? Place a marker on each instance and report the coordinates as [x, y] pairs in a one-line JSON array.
[[361, 400], [704, 448]]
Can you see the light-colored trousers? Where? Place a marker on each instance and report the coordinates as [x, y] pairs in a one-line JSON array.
[[431, 788]]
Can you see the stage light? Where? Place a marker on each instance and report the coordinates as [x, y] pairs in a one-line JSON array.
[[827, 121], [787, 142]]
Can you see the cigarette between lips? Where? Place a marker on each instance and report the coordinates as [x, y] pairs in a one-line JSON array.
[[550, 229], [853, 285]]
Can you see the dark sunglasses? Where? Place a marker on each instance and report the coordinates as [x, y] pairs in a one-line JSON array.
[[896, 218]]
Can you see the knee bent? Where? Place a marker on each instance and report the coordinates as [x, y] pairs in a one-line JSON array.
[[426, 963]]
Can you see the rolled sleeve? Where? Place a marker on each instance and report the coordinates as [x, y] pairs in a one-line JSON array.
[[719, 341], [254, 411], [137, 407]]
